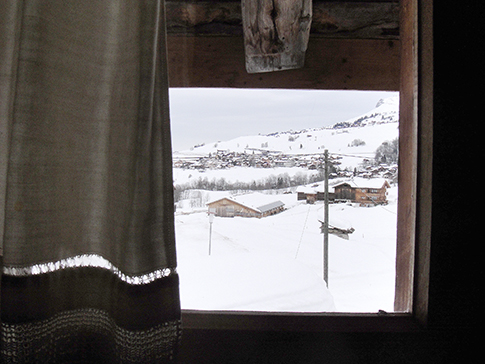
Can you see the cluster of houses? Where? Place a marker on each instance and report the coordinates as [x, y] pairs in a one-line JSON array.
[[365, 192], [257, 158], [368, 170], [387, 171]]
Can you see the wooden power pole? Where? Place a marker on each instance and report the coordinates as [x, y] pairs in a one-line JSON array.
[[325, 224]]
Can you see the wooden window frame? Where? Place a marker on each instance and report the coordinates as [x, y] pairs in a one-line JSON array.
[[414, 208]]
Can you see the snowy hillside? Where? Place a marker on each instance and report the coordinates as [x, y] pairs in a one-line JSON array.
[[371, 129]]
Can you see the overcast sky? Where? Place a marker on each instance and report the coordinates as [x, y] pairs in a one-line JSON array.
[[203, 115]]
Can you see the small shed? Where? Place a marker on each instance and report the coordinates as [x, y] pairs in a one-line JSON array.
[[312, 194], [306, 193]]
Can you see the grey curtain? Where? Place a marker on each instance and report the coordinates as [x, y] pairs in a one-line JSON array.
[[86, 192]]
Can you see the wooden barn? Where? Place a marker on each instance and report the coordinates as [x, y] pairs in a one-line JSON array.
[[227, 207], [313, 194], [306, 193], [245, 206], [363, 191], [372, 193]]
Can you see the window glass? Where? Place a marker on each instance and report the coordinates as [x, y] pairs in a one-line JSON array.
[[249, 172]]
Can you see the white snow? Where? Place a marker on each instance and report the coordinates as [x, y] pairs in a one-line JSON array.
[[236, 174], [275, 263]]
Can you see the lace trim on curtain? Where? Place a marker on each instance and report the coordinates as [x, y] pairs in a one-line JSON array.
[[71, 335], [87, 260]]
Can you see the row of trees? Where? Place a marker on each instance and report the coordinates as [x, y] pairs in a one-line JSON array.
[[387, 152], [283, 180]]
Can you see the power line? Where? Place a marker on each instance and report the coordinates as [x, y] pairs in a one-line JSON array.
[[302, 232], [350, 155]]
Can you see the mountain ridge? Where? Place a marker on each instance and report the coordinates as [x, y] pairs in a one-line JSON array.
[[386, 109]]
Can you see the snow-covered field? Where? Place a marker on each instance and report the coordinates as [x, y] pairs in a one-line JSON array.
[[275, 263]]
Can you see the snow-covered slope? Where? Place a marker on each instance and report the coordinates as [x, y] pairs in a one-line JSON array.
[[275, 263], [359, 137]]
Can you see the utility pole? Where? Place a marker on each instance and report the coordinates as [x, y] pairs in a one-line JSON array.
[[211, 220], [325, 224]]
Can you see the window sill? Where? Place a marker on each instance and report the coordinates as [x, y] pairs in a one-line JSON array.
[[300, 322]]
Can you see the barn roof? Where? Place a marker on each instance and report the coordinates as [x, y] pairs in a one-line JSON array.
[[306, 189], [255, 201], [356, 182], [236, 202], [365, 182], [271, 206]]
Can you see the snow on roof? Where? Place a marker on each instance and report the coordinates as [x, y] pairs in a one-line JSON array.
[[256, 201], [306, 189], [354, 182], [365, 182]]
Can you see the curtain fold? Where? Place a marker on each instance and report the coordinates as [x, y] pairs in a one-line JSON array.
[[86, 215]]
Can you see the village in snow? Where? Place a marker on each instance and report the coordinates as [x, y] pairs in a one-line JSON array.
[[249, 215]]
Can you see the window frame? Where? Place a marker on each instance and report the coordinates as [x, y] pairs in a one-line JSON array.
[[414, 208]]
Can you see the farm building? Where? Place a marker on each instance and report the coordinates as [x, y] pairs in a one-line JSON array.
[[312, 194], [251, 205], [359, 190], [371, 192]]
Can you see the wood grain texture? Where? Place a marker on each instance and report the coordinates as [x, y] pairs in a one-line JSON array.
[[331, 64], [368, 19], [408, 121], [275, 34]]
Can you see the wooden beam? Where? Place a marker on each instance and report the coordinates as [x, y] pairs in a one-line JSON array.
[[370, 19], [338, 64], [408, 148]]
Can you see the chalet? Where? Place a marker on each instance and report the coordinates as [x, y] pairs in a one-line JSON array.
[[374, 192], [252, 205]]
